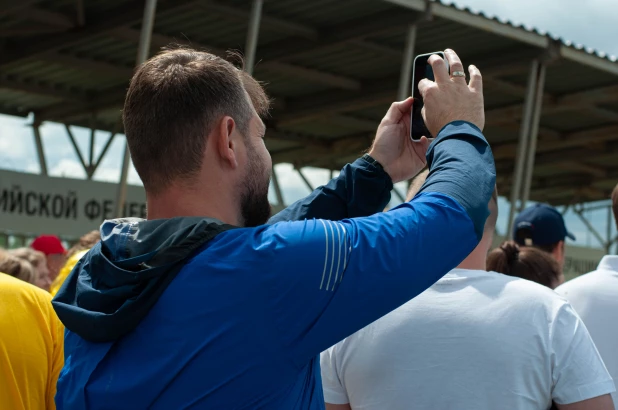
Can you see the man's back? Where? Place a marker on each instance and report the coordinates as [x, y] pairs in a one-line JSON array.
[[30, 346], [207, 335], [595, 298], [474, 340]]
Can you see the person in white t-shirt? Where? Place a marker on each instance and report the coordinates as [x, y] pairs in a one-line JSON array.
[[475, 340], [595, 298]]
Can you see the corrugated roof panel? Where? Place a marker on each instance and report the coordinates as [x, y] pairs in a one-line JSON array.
[[351, 61], [323, 13], [283, 85], [573, 120], [12, 98]]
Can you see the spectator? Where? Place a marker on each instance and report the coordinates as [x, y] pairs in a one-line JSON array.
[[595, 298], [475, 340], [542, 226], [31, 341], [74, 254], [525, 262], [39, 263], [17, 267], [54, 251], [216, 310]]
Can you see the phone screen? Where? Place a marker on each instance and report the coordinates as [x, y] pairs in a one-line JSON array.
[[421, 70]]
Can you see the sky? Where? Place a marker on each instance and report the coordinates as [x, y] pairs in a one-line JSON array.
[[591, 23]]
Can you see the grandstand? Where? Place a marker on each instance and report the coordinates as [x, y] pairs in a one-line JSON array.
[[332, 67]]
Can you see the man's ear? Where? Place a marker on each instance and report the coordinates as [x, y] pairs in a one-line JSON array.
[[225, 143]]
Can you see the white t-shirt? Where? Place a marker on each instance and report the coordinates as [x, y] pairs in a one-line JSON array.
[[595, 298], [475, 340]]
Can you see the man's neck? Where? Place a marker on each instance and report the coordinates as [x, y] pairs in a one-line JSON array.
[[179, 202]]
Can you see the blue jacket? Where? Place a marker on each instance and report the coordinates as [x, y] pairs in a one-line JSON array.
[[237, 322]]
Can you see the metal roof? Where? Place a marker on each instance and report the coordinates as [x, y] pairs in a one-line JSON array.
[[332, 67]]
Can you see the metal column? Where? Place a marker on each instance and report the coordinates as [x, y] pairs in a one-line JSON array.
[[406, 65], [252, 35], [142, 54], [534, 132], [522, 145], [277, 187], [305, 180], [39, 147], [609, 240]]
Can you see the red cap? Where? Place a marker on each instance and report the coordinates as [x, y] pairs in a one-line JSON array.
[[48, 244]]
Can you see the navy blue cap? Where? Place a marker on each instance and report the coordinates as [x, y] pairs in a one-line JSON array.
[[545, 224]]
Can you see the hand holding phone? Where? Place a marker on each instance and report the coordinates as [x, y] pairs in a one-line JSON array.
[[421, 69], [447, 97]]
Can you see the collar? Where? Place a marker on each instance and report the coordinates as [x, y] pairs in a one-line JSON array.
[[609, 262]]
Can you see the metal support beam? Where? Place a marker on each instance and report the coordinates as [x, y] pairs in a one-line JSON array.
[[533, 137], [252, 35], [142, 55], [304, 178], [76, 148], [104, 151], [406, 65], [593, 231], [81, 13], [399, 195], [277, 187], [610, 240], [522, 146], [92, 142], [39, 147]]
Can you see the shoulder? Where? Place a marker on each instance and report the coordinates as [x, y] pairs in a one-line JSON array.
[[585, 283], [19, 288], [15, 291], [528, 294]]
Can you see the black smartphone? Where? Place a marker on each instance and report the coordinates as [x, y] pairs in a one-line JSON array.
[[421, 69]]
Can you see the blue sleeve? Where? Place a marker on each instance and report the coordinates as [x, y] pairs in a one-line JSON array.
[[328, 279], [361, 189], [461, 166]]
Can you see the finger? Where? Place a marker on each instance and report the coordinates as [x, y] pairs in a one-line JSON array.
[[476, 79], [398, 110], [455, 64], [424, 85], [438, 65]]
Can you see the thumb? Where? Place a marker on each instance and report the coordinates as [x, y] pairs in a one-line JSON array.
[[398, 109]]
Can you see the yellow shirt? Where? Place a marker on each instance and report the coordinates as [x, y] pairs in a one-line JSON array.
[[31, 346], [64, 272]]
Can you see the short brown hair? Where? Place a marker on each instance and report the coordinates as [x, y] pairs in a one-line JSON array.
[[417, 182], [524, 262], [173, 102], [86, 242], [16, 267]]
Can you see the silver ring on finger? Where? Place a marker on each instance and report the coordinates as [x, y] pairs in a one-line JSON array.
[[458, 74]]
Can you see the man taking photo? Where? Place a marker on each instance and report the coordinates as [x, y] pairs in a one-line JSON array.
[[203, 306]]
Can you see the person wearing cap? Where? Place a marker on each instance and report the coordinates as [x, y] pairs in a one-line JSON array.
[[54, 251], [543, 227], [595, 298]]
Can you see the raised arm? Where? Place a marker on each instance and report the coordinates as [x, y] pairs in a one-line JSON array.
[[329, 279], [360, 189]]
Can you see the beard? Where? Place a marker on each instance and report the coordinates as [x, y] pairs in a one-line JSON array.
[[254, 205]]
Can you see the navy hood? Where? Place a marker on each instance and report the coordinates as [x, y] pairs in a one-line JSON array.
[[116, 283]]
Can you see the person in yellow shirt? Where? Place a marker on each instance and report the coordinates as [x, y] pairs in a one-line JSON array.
[[73, 256], [31, 346]]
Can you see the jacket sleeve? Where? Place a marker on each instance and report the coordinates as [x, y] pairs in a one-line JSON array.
[[328, 279], [361, 189]]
